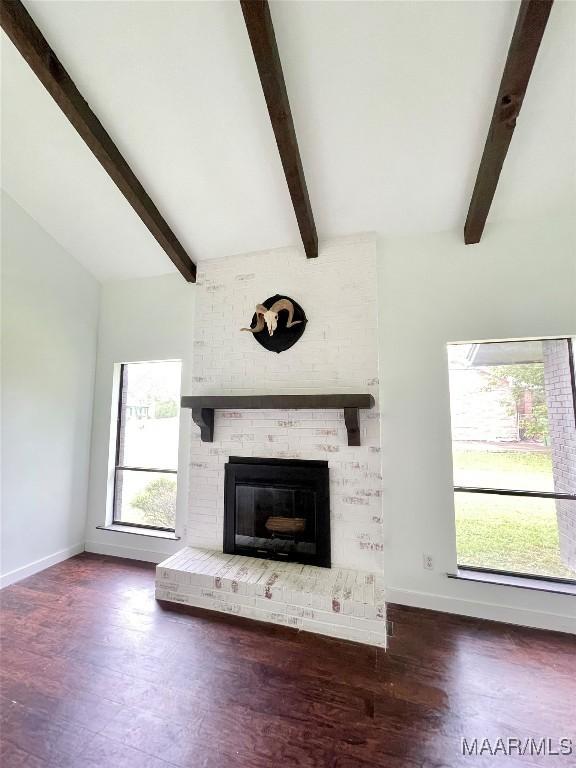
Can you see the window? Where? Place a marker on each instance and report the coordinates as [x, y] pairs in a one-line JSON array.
[[514, 452], [145, 475]]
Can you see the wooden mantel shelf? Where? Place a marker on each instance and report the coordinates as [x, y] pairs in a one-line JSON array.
[[203, 407]]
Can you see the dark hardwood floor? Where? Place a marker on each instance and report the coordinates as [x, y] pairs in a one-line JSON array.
[[95, 674]]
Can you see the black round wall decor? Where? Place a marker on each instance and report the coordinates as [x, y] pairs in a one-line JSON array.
[[283, 337]]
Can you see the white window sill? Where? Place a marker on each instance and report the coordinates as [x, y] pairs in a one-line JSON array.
[[150, 532], [524, 582]]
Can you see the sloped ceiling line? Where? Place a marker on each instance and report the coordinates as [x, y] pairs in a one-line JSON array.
[[34, 48]]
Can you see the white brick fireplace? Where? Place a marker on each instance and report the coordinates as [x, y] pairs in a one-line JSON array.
[[338, 353]]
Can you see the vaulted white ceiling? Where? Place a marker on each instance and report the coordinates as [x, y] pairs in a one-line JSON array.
[[391, 102]]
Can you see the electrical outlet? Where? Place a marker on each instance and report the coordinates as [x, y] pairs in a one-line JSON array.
[[428, 562]]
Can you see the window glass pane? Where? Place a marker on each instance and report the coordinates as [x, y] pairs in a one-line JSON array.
[[519, 534], [150, 415], [513, 427], [145, 498], [500, 395]]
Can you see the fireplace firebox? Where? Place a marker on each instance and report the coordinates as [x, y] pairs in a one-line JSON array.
[[278, 509]]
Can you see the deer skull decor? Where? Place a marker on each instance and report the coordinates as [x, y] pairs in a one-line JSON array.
[[278, 323]]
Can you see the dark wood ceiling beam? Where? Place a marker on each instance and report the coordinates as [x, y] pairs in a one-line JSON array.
[[263, 41], [23, 32], [530, 26]]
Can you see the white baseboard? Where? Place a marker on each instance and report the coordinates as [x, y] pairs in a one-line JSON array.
[[524, 617], [39, 565], [132, 553]]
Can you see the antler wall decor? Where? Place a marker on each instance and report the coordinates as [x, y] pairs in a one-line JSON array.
[[278, 323], [270, 316]]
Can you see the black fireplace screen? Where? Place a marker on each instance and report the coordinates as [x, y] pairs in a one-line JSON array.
[[277, 509]]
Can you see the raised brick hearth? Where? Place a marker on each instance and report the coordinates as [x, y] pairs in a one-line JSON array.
[[338, 602]]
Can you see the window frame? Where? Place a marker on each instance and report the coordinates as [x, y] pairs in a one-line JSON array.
[[520, 492], [124, 468]]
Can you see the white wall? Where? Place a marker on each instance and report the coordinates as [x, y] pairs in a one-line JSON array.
[[49, 329], [520, 281], [145, 319]]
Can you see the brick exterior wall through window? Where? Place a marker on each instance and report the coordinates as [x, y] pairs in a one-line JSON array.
[[560, 404]]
